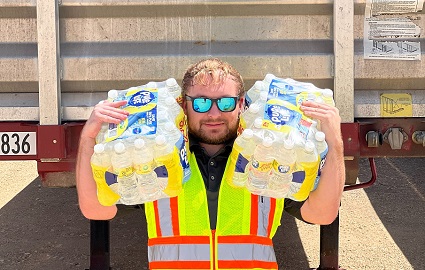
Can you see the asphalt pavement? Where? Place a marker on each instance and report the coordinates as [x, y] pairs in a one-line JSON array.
[[381, 227]]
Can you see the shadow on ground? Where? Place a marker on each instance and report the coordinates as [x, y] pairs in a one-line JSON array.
[[398, 197]]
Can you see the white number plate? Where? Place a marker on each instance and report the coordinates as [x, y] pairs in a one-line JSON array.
[[18, 143]]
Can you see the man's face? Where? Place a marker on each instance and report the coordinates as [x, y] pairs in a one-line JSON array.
[[213, 127]]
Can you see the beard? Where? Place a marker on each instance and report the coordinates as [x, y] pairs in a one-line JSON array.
[[215, 138]]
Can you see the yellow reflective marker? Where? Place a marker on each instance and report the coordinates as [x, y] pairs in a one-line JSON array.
[[396, 105]]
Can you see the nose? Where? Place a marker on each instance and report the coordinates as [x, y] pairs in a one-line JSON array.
[[214, 111]]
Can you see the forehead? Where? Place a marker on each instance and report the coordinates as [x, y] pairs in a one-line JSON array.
[[227, 87]]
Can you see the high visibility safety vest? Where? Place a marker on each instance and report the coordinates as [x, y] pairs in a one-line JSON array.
[[179, 228]]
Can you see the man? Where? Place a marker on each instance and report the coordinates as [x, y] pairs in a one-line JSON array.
[[210, 224]]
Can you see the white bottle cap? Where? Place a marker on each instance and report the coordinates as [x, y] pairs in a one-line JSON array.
[[119, 147], [264, 95], [309, 146], [171, 82], [254, 108], [319, 136], [267, 141], [169, 126], [99, 148], [162, 92], [247, 133], [160, 140], [259, 85], [139, 143], [269, 77], [327, 92], [258, 122], [112, 94], [151, 85], [169, 101], [288, 144]]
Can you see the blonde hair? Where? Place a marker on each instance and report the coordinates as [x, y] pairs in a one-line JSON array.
[[211, 71]]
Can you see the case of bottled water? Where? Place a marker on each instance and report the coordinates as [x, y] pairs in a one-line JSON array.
[[289, 148], [143, 158]]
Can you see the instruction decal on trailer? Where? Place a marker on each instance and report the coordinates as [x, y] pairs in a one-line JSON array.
[[396, 105], [389, 33]]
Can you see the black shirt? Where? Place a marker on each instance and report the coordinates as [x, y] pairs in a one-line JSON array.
[[212, 170]]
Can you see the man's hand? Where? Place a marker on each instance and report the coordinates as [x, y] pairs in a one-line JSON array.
[[330, 121], [104, 112]]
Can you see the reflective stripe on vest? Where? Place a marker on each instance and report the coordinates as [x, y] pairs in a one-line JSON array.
[[166, 215], [180, 236]]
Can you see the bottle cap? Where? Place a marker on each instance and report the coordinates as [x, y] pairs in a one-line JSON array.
[[151, 85], [119, 148], [319, 136], [258, 122], [309, 146], [254, 108], [99, 148], [160, 140], [139, 143], [327, 92], [171, 82], [269, 77], [247, 133], [264, 95], [288, 144], [169, 126], [112, 94], [267, 141], [169, 101], [259, 85]]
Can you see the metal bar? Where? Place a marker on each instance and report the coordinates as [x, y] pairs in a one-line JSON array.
[[99, 245], [329, 238], [368, 183], [48, 61], [343, 20]]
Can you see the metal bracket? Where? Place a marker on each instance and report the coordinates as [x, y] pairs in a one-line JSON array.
[[395, 137]]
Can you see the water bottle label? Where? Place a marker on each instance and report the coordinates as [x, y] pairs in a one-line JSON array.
[[125, 172], [283, 168], [143, 168], [262, 166], [279, 89], [142, 106]]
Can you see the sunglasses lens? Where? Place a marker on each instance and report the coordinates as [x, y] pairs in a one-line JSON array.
[[226, 104], [202, 104]]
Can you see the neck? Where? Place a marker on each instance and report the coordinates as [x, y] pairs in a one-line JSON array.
[[212, 149]]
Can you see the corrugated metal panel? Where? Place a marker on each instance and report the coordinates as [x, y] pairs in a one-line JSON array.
[[117, 44]]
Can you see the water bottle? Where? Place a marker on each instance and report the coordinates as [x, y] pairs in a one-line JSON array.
[[123, 167], [254, 92], [175, 137], [174, 89], [256, 109], [307, 163], [143, 164], [173, 108], [261, 164], [283, 167], [101, 163], [244, 146], [322, 150], [168, 170], [327, 96]]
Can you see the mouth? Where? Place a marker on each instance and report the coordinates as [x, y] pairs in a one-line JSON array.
[[213, 124]]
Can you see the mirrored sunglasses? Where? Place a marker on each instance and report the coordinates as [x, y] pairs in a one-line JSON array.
[[204, 104]]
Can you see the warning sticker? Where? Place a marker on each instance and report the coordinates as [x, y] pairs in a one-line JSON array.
[[396, 105]]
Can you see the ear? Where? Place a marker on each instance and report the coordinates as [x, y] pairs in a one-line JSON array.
[[184, 106], [241, 103]]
